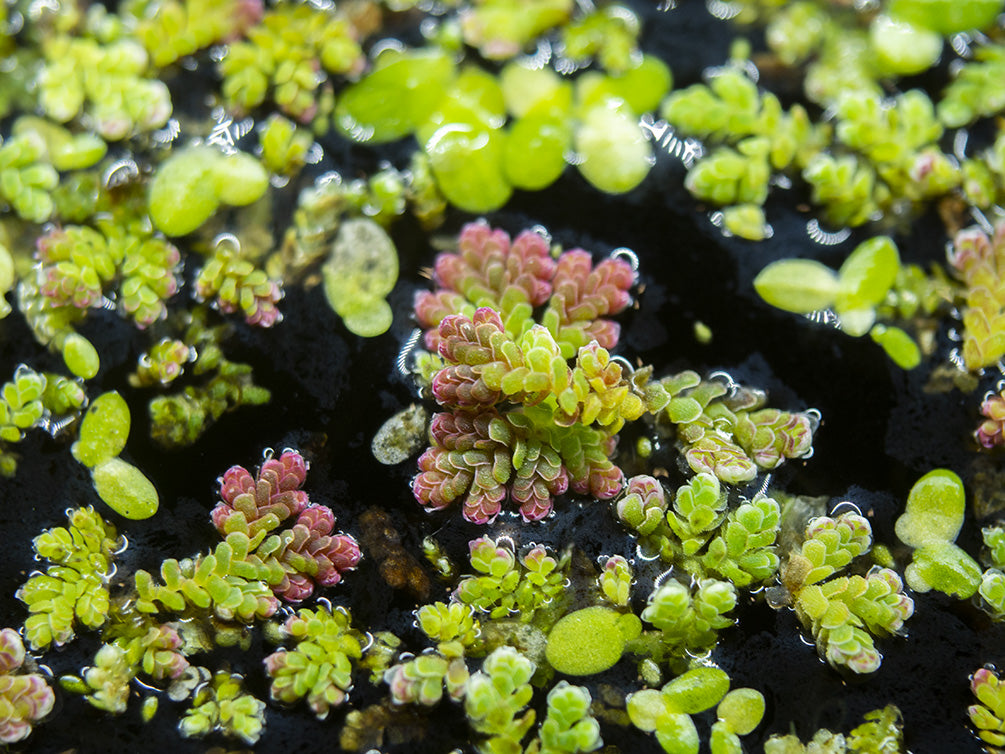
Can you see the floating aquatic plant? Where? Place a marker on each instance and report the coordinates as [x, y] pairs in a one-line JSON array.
[[844, 612], [175, 29], [80, 266], [700, 533], [513, 277], [977, 260], [104, 84], [667, 712], [880, 731], [180, 418], [870, 292], [25, 697], [33, 399], [283, 56], [74, 588], [722, 428], [988, 716], [220, 706], [930, 523]]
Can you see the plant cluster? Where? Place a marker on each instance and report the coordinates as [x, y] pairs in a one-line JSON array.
[[560, 432], [844, 613], [25, 697], [520, 334]]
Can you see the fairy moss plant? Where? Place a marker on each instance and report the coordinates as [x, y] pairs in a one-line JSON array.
[[152, 153]]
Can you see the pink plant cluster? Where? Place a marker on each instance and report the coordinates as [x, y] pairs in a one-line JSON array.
[[25, 698], [78, 265], [991, 432], [520, 421], [309, 553], [514, 278]]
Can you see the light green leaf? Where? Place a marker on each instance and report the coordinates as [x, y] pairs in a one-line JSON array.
[[797, 285]]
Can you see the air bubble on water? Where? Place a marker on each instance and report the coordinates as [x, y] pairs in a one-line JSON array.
[[623, 252], [15, 22], [541, 57], [981, 219], [229, 240], [722, 10], [823, 237], [661, 578], [573, 158], [626, 365], [121, 172], [641, 555], [139, 682], [845, 506], [267, 454], [389, 43]]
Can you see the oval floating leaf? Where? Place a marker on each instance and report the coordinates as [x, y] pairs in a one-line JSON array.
[[934, 511], [615, 155], [797, 285], [125, 489], [360, 271], [468, 165], [183, 192], [80, 356], [899, 346], [696, 690], [586, 641], [867, 274], [103, 431]]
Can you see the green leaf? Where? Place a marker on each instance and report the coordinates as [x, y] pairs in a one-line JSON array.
[[80, 356], [696, 690], [935, 509], [615, 156], [947, 16], [586, 641], [944, 567], [677, 735], [103, 431], [899, 346], [183, 192], [867, 274], [647, 709], [742, 710], [468, 166], [125, 489], [396, 97], [797, 285]]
